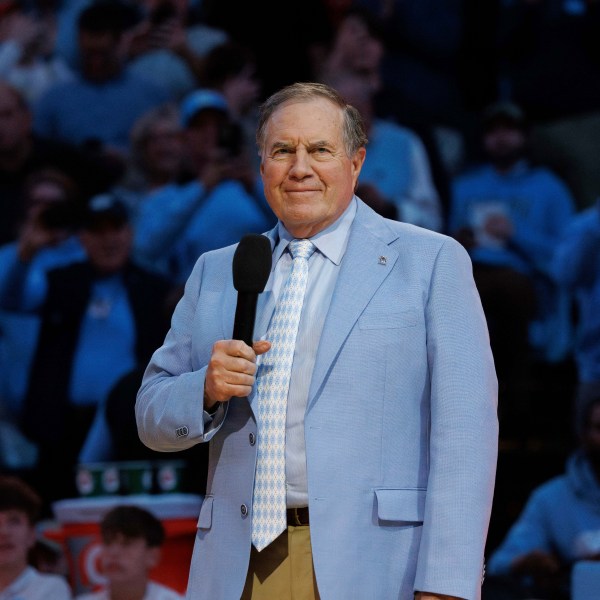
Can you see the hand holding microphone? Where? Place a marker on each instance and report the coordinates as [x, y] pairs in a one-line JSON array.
[[232, 365]]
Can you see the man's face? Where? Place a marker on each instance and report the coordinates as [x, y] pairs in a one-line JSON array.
[[100, 55], [504, 143], [107, 245], [15, 122], [308, 178], [17, 536], [202, 135], [163, 150], [127, 560]]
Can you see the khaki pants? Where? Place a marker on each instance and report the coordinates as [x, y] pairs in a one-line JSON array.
[[283, 570]]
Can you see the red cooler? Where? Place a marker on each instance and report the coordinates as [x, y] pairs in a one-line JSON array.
[[79, 533]]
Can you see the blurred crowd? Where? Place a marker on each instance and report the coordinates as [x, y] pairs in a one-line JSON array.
[[127, 150]]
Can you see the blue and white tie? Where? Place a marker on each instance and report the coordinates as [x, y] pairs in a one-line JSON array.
[[273, 379]]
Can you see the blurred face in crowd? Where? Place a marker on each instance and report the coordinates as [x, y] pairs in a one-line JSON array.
[[100, 55], [242, 90], [15, 121], [202, 135], [163, 150], [17, 536], [308, 178], [108, 245], [126, 560], [504, 143]]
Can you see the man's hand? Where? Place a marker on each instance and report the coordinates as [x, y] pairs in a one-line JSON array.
[[231, 370]]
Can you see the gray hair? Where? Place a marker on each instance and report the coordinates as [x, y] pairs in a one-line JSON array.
[[353, 128]]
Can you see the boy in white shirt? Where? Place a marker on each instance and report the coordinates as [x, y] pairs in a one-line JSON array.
[[19, 510], [131, 546]]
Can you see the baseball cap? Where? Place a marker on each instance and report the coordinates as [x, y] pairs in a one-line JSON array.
[[504, 111], [199, 100], [104, 208]]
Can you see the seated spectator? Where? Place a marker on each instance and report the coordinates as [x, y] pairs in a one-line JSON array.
[[577, 266], [156, 157], [47, 240], [230, 70], [168, 47], [181, 221], [357, 48], [396, 177], [131, 547], [509, 214], [99, 107], [23, 152], [27, 57], [559, 525], [20, 508], [100, 318]]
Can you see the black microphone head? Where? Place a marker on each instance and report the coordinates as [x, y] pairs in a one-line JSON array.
[[252, 263]]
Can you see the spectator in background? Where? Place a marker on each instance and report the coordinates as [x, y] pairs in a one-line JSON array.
[[230, 69], [550, 58], [131, 547], [559, 525], [168, 48], [156, 158], [23, 152], [181, 221], [98, 108], [357, 47], [20, 508], [509, 214], [396, 177], [100, 318], [577, 266], [47, 240], [27, 57]]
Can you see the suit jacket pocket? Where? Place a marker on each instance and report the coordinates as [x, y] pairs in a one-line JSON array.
[[403, 505], [389, 320], [205, 517]]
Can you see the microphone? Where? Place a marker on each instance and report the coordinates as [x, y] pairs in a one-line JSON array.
[[251, 268]]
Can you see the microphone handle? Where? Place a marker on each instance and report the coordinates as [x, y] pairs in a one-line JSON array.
[[245, 314]]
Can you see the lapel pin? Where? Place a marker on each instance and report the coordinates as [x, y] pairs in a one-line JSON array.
[[383, 260]]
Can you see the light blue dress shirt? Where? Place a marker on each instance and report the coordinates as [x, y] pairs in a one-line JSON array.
[[323, 269]]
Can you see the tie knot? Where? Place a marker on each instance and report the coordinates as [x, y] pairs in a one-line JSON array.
[[302, 248]]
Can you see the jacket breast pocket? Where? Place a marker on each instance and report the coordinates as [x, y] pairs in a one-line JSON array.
[[205, 516], [387, 320], [401, 505]]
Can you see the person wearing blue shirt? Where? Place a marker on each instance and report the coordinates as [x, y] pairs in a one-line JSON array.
[[48, 240], [509, 214], [559, 525], [577, 266], [100, 318], [101, 104], [179, 222]]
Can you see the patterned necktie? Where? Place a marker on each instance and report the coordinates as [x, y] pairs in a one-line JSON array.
[[273, 379]]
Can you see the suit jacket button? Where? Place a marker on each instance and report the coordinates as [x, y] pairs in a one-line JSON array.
[[244, 510], [252, 438]]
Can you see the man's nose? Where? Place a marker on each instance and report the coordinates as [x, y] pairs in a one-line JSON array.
[[301, 166]]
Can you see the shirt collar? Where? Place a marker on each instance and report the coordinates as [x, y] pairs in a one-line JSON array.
[[331, 242]]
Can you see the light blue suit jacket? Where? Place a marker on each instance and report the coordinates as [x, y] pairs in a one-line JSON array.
[[401, 426]]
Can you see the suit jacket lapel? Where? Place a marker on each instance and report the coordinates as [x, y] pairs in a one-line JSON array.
[[361, 273]]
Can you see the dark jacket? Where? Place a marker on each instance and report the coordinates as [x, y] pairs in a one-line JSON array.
[[69, 288]]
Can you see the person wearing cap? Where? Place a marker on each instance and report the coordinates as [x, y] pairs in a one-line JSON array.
[[100, 318], [177, 224], [509, 214]]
